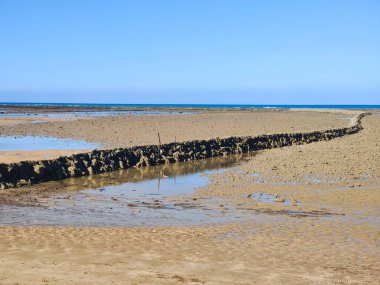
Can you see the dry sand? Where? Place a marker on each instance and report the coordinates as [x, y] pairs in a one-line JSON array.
[[340, 177]]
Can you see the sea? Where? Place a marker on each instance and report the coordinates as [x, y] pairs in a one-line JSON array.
[[189, 106]]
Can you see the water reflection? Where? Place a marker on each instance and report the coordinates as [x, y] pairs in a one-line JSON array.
[[159, 173], [150, 196]]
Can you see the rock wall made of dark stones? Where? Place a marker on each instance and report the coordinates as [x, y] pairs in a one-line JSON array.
[[100, 161]]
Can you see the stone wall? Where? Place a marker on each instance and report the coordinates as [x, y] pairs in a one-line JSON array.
[[99, 161]]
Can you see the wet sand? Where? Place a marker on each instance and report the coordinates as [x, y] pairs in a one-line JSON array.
[[294, 252], [16, 156], [331, 237]]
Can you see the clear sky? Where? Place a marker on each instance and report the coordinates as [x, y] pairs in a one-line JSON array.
[[200, 51]]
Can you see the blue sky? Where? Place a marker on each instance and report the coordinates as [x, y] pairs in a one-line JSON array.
[[141, 51]]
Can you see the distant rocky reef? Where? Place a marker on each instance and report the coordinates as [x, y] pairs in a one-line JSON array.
[[100, 161]]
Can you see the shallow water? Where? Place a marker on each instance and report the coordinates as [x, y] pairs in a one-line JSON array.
[[151, 196], [30, 143], [162, 195], [346, 118], [316, 180], [269, 198], [93, 113]]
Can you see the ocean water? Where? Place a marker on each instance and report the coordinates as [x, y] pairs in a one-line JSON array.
[[212, 106]]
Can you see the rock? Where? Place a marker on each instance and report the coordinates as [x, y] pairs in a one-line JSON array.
[[71, 170], [23, 182], [37, 168], [144, 161], [278, 199], [295, 202]]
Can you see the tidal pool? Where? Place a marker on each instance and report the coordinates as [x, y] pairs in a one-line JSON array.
[[31, 143], [162, 195], [93, 113], [345, 118], [150, 196], [272, 199]]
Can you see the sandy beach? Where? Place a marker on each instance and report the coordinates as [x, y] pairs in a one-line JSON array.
[[329, 234]]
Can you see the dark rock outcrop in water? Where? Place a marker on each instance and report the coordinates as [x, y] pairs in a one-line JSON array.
[[99, 161]]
